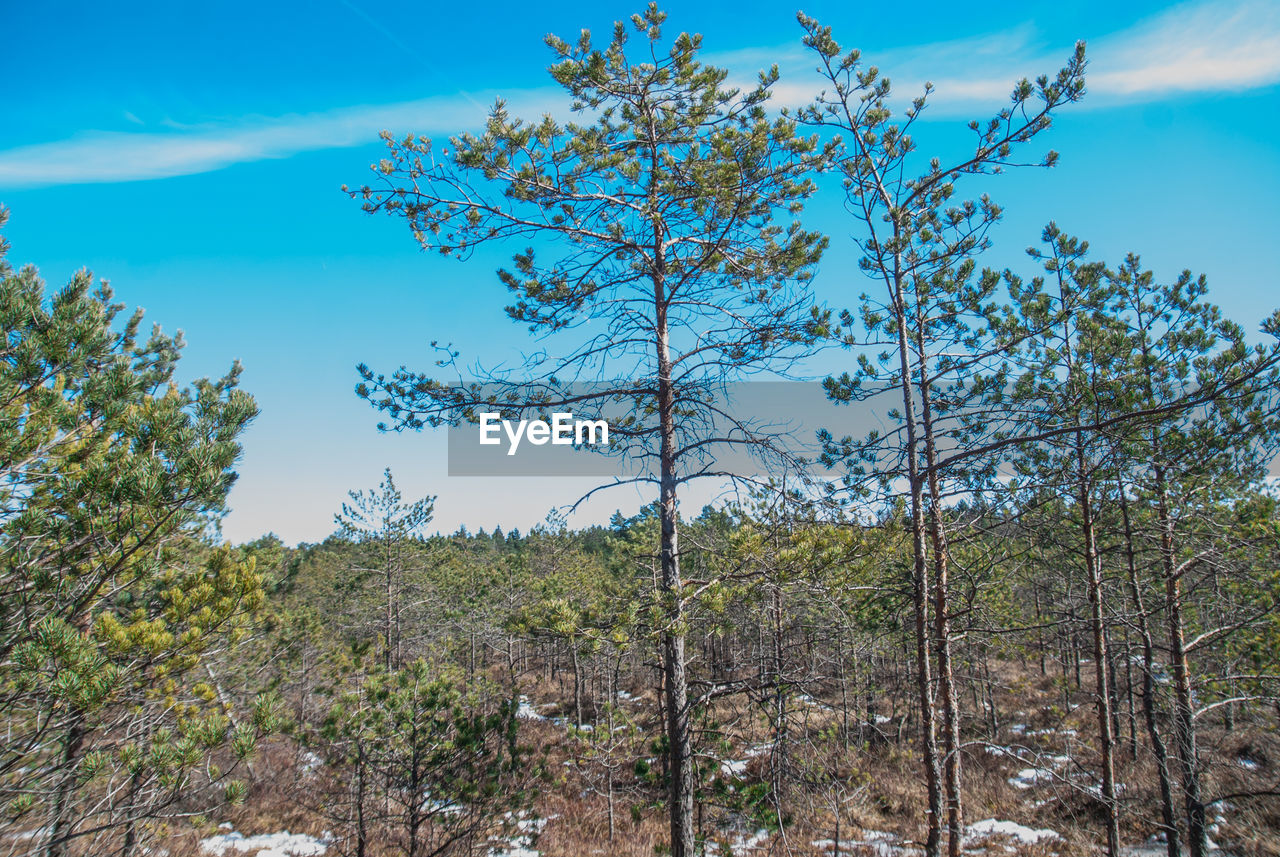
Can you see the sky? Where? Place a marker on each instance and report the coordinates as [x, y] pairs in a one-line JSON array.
[[193, 155]]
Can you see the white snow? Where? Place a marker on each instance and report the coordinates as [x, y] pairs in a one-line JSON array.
[[813, 703], [1028, 777], [283, 844], [526, 710], [514, 850], [733, 767], [1023, 729], [879, 842], [521, 845], [744, 844], [435, 806], [309, 762], [992, 827]]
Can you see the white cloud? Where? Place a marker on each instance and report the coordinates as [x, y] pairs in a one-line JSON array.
[[1211, 46], [1216, 46], [129, 156], [1193, 48]]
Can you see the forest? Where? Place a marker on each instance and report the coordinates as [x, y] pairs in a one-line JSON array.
[[1036, 614]]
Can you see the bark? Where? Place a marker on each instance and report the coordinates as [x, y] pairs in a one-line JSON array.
[[1184, 727], [1101, 658], [1167, 810], [941, 608], [942, 644], [920, 592], [57, 833], [679, 742], [389, 620], [362, 837]]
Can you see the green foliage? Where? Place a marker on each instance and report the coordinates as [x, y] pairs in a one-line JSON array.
[[109, 603], [667, 208], [437, 761]]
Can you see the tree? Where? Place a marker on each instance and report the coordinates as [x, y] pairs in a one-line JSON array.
[[1070, 381], [661, 211], [1187, 464], [109, 476], [936, 324], [384, 522], [431, 767]]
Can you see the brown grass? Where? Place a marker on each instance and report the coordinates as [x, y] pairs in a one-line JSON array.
[[885, 790]]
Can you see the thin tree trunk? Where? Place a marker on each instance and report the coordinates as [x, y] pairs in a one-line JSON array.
[[1097, 625], [56, 834], [389, 621], [1167, 811], [130, 843], [920, 591], [679, 743], [941, 614], [577, 683], [1183, 708]]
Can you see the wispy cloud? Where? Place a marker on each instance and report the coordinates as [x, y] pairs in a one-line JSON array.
[[1214, 46], [115, 156], [1193, 48]]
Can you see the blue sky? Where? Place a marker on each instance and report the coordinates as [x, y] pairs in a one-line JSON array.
[[193, 154]]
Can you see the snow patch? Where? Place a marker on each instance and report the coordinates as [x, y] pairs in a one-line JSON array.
[[744, 844], [879, 842], [813, 703], [1029, 777], [521, 844], [526, 711], [990, 827], [283, 844], [309, 762]]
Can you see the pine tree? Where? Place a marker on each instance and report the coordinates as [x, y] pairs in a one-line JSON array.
[[1188, 462], [431, 764], [660, 212], [921, 245], [110, 473], [382, 521]]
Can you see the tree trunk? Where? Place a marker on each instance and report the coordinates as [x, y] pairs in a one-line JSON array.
[[1184, 726], [920, 591], [577, 683], [679, 741], [389, 620], [941, 611], [1101, 658], [57, 835], [1167, 811]]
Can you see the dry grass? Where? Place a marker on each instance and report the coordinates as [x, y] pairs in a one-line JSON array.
[[883, 785]]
